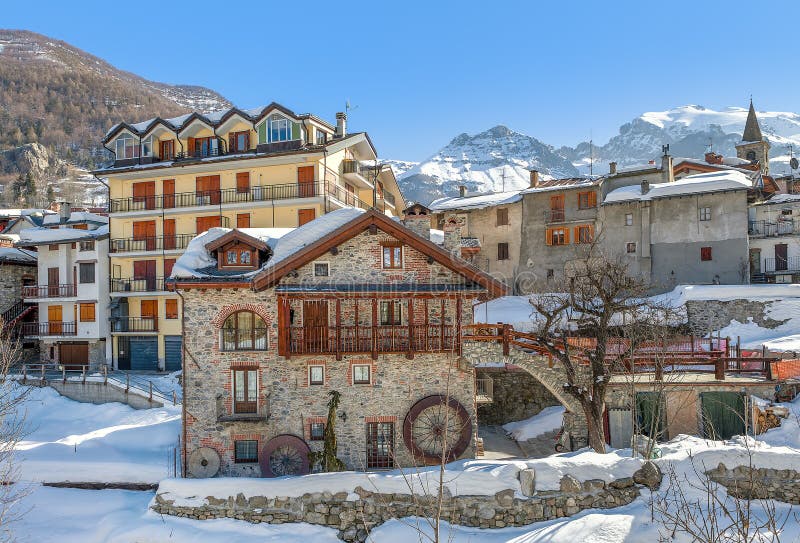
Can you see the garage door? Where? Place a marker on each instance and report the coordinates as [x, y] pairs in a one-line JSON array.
[[620, 428], [73, 356], [172, 353], [144, 353], [723, 414]]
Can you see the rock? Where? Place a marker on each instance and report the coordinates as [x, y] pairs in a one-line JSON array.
[[594, 484], [570, 484], [527, 481], [648, 475], [486, 512], [624, 482]]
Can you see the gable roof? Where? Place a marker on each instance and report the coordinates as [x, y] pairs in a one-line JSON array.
[[237, 235], [278, 267]]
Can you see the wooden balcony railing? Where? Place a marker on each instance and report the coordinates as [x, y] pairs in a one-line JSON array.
[[134, 324], [155, 243], [53, 328], [368, 339], [144, 284], [49, 291]]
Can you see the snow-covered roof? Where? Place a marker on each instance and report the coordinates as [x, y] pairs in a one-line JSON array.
[[20, 212], [781, 199], [36, 236], [13, 254], [76, 217], [546, 185], [478, 201], [693, 184], [728, 163]]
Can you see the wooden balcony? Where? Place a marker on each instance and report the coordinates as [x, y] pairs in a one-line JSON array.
[[49, 291], [395, 339]]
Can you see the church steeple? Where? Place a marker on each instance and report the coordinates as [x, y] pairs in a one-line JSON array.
[[754, 147], [752, 132]]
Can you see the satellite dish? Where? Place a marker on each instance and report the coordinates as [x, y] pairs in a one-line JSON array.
[[203, 463], [794, 163]]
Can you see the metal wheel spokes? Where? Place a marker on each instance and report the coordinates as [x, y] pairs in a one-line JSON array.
[[286, 460], [436, 429]]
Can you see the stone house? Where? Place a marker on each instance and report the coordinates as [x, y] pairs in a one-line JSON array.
[[775, 239], [17, 270], [353, 302]]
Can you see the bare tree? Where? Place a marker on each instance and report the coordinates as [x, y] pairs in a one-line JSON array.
[[609, 306]]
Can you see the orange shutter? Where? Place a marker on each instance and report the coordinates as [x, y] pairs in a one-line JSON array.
[[190, 146], [548, 236], [566, 236], [592, 199], [577, 234], [243, 182]]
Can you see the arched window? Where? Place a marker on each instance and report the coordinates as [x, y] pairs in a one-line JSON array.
[[244, 331]]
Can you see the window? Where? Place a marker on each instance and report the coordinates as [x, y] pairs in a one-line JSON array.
[[392, 256], [705, 254], [87, 312], [630, 247], [147, 146], [550, 273], [239, 142], [167, 149], [502, 216], [243, 182], [557, 208], [316, 431], [280, 129], [502, 251], [82, 226], [126, 147], [361, 374], [322, 137], [243, 220], [628, 219], [390, 313], [171, 309], [557, 236], [244, 331], [245, 391], [321, 269], [240, 256], [316, 375], [380, 445], [587, 200], [786, 211], [232, 257], [87, 245], [86, 272], [705, 213], [245, 451], [584, 233], [53, 247], [205, 147]]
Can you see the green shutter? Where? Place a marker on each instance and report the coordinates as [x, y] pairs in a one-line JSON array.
[[650, 414], [723, 414], [262, 132]]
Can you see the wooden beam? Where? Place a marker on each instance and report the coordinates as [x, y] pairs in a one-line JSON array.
[[410, 318], [338, 328], [374, 328]]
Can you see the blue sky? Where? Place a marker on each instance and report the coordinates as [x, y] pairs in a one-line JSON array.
[[419, 73]]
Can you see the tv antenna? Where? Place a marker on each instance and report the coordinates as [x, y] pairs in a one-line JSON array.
[[504, 179], [591, 155], [348, 107]]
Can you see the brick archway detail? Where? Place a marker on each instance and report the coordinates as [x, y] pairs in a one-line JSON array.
[[229, 310]]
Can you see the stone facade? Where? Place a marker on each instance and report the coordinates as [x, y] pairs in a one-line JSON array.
[[287, 403], [12, 275], [704, 316], [517, 396], [748, 482], [355, 515]]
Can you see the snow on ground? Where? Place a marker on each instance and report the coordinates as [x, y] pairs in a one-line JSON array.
[[72, 441], [546, 420]]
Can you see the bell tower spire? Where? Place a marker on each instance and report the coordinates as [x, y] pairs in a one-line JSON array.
[[754, 147]]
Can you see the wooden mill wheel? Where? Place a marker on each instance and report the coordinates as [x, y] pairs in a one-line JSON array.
[[435, 426]]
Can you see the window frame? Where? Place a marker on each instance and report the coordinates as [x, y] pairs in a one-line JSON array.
[[283, 124], [316, 437], [311, 380], [82, 277], [322, 263], [249, 459], [393, 312], [503, 252], [580, 239], [248, 405], [587, 199], [502, 216], [705, 213], [86, 307], [628, 219], [369, 374], [706, 254], [168, 314], [86, 246], [236, 332], [133, 146], [628, 246], [563, 237], [387, 432], [395, 260]]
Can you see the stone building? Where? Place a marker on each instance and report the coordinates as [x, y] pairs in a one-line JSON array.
[[775, 239], [17, 270], [352, 302], [754, 147]]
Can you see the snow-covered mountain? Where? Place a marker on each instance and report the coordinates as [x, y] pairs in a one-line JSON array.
[[485, 161], [495, 160]]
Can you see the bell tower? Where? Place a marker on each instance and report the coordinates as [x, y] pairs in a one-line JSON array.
[[754, 147]]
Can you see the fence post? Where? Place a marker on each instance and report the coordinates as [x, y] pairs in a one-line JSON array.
[[151, 390], [64, 374], [719, 369], [506, 337], [174, 398], [127, 383]]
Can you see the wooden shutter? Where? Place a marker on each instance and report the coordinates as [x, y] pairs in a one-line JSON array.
[[243, 220], [169, 234], [566, 236], [557, 202], [204, 223], [149, 309], [305, 216], [232, 142], [190, 146], [243, 182], [168, 264], [171, 308], [548, 236], [592, 199], [168, 191]]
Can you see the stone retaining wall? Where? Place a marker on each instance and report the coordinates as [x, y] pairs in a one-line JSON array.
[[357, 513], [782, 485], [517, 396], [704, 316]]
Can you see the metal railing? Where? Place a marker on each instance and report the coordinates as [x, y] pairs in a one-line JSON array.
[[32, 329], [202, 153], [49, 291], [554, 215], [789, 264], [484, 390], [133, 284], [134, 324], [763, 229], [154, 243]]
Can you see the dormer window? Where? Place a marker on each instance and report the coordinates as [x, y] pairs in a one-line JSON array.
[[322, 137], [239, 142], [147, 146], [280, 129], [239, 256], [237, 251], [126, 147]]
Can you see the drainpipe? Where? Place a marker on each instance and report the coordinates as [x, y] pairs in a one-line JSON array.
[[184, 380], [108, 256], [325, 180]]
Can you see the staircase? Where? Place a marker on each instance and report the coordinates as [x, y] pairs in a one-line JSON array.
[[14, 315]]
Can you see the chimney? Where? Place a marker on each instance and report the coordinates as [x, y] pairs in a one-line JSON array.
[[453, 228], [667, 174], [462, 191], [645, 186], [341, 124], [417, 218], [534, 178], [64, 211], [713, 158], [612, 168]]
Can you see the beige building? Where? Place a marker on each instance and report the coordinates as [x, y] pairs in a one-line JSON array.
[[175, 178]]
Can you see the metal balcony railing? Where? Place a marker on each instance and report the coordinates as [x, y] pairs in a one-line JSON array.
[[554, 215], [763, 229], [484, 390], [38, 329], [134, 324], [782, 265], [155, 243], [142, 284], [49, 291]]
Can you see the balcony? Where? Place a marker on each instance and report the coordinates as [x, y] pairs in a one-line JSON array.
[[369, 339], [40, 329], [357, 173], [156, 243], [554, 216], [779, 266], [765, 229], [484, 390], [134, 324], [49, 291], [142, 284]]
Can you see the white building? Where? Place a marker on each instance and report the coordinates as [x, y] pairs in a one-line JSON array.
[[72, 289], [774, 231]]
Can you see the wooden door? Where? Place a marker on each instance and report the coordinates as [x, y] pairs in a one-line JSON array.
[[54, 319], [557, 207], [168, 190], [315, 326], [781, 257], [167, 149], [144, 194], [204, 223], [305, 215], [149, 313], [169, 234], [168, 264], [144, 232], [73, 356], [723, 414], [144, 275], [207, 190], [305, 181], [52, 281]]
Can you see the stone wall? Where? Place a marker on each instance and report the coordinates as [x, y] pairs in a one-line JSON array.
[[705, 316], [745, 482], [11, 282], [355, 516], [517, 396]]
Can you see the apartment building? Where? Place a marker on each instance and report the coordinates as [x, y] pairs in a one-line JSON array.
[[71, 293], [175, 178], [775, 239]]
